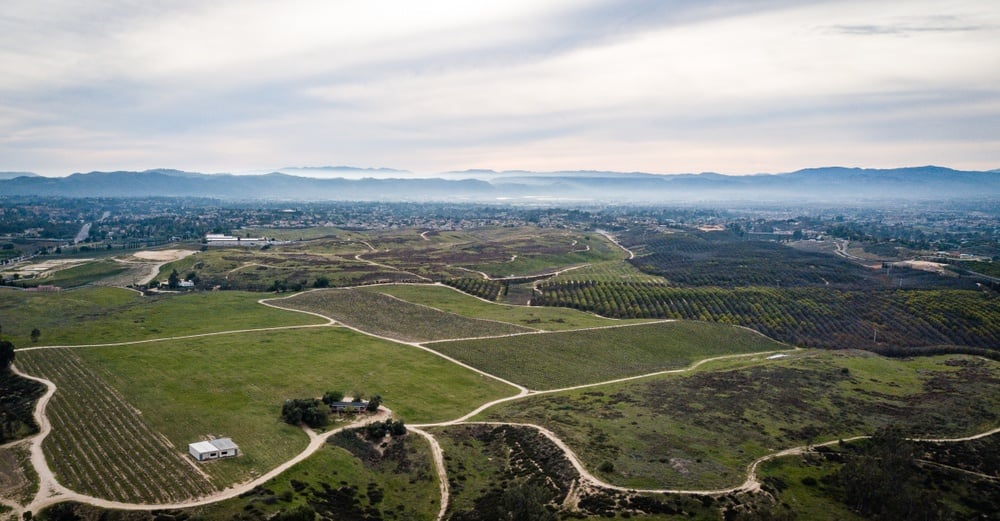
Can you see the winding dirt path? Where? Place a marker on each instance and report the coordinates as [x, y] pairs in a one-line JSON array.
[[51, 491], [442, 472], [607, 235]]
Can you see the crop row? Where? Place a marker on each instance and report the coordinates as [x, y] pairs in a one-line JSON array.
[[100, 444], [813, 317], [479, 287]]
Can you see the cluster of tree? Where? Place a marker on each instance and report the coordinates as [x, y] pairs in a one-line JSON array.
[[882, 481], [378, 430], [308, 411], [703, 260], [315, 412], [174, 279], [6, 354], [811, 317]]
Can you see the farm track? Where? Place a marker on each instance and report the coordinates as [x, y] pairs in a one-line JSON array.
[[51, 491]]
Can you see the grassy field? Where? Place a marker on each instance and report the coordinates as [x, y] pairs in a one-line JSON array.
[[104, 315], [811, 486], [284, 267], [609, 271], [490, 466], [702, 429], [450, 300], [398, 481], [81, 274], [563, 359], [234, 385], [103, 446], [387, 316]]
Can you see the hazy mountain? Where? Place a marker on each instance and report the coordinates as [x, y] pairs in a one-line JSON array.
[[832, 184], [12, 175], [347, 172]]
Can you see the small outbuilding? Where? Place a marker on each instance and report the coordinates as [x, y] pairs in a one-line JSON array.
[[213, 449]]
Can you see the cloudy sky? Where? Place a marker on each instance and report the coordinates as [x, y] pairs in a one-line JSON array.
[[732, 86]]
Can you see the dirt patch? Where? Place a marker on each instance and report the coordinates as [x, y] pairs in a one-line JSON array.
[[39, 269], [163, 255], [934, 267]]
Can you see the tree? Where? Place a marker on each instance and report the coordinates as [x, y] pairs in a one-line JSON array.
[[882, 482], [174, 280], [525, 502], [6, 354], [373, 403], [35, 333], [321, 282], [332, 396], [309, 411]]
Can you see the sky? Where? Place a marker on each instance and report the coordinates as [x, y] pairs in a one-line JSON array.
[[663, 86]]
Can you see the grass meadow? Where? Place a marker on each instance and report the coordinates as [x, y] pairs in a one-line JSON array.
[[100, 444], [391, 317], [98, 315], [563, 359], [448, 299], [81, 274], [701, 429], [400, 482], [234, 385]]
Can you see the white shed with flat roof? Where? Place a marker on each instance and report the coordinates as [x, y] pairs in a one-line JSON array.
[[213, 449]]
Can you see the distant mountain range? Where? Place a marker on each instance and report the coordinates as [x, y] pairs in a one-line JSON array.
[[831, 184], [12, 175]]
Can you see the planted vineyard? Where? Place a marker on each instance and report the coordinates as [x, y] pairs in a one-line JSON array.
[[811, 317], [483, 288], [388, 316], [100, 445]]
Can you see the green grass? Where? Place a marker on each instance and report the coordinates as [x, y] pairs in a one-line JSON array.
[[234, 385], [383, 315], [700, 430], [453, 301], [548, 251], [100, 444], [609, 271], [807, 501], [106, 315], [564, 359], [406, 477]]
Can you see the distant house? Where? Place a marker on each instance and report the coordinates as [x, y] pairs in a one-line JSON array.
[[185, 284], [213, 449], [348, 407]]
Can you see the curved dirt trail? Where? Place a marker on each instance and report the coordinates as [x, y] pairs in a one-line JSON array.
[[442, 471], [51, 492], [607, 235]]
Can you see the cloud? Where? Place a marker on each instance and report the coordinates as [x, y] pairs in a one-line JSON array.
[[928, 24], [449, 84]]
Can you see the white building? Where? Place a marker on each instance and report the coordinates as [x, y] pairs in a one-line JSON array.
[[213, 449]]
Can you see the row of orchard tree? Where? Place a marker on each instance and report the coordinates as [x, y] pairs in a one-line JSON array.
[[810, 317]]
